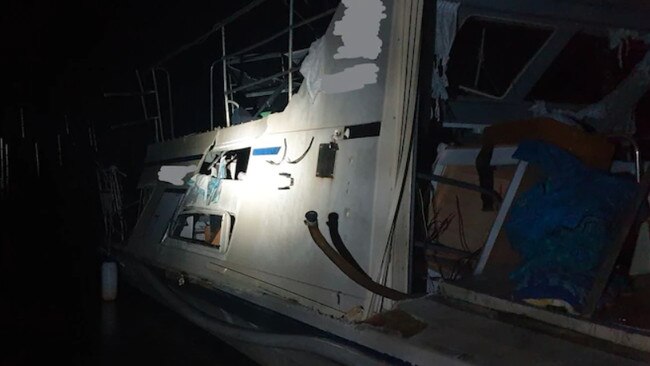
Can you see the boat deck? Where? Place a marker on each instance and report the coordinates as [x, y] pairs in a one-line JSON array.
[[484, 337]]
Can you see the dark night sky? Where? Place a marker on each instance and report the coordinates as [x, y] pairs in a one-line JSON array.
[[62, 55], [58, 58]]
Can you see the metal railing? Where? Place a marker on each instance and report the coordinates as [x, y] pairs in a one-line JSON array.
[[225, 57], [227, 89], [157, 118]]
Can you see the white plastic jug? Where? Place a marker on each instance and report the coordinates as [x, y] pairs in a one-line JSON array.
[[109, 281]]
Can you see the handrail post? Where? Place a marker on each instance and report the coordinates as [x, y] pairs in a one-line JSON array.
[[225, 75], [169, 96], [227, 89], [6, 155], [38, 163], [144, 103], [159, 115], [290, 89], [59, 148], [212, 95], [22, 123], [67, 126], [2, 167]]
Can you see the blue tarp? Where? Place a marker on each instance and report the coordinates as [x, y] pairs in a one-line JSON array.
[[561, 226]]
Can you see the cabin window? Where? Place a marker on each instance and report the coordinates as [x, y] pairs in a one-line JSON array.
[[587, 70], [236, 162], [205, 229], [488, 54]]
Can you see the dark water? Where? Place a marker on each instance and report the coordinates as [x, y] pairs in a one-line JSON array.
[[51, 312], [71, 328]]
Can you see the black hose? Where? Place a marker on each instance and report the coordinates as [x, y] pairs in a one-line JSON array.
[[333, 224], [360, 277]]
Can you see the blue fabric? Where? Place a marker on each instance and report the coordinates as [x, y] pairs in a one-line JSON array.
[[193, 192], [214, 185], [205, 189], [561, 226]]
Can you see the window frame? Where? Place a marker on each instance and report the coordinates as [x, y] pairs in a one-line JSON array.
[[582, 35], [201, 247], [471, 91]]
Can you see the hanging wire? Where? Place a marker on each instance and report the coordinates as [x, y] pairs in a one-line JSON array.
[[297, 160], [461, 227]]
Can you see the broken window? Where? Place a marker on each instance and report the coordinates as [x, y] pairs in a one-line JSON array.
[[236, 163], [488, 54], [587, 70], [205, 229]]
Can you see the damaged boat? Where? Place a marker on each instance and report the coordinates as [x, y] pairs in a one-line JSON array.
[[440, 190]]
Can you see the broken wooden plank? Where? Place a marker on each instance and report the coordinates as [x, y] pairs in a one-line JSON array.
[[605, 270]]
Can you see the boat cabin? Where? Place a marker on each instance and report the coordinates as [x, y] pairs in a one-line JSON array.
[[441, 182]]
